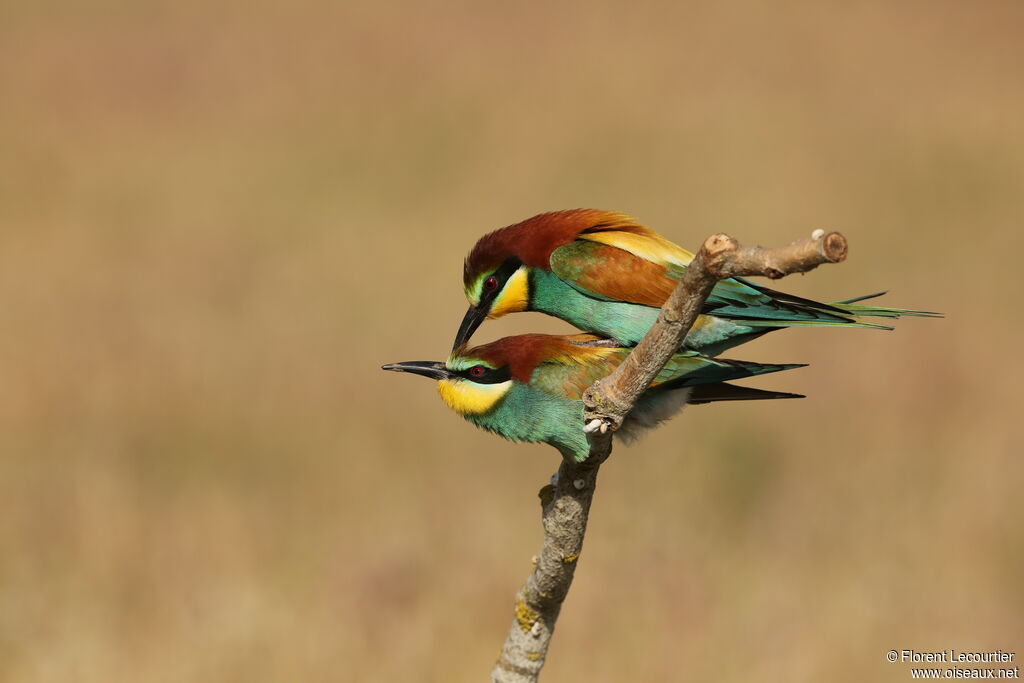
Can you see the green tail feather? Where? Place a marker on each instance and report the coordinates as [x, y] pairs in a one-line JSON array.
[[776, 324], [755, 306], [859, 298], [879, 311]]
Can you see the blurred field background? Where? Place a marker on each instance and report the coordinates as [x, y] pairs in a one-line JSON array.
[[217, 220]]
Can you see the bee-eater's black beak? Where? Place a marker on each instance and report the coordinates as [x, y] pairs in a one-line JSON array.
[[428, 368], [474, 316]]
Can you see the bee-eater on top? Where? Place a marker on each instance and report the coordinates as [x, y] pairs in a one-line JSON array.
[[605, 273], [529, 387]]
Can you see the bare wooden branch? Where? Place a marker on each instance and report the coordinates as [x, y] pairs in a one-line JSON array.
[[721, 256], [566, 501], [565, 505]]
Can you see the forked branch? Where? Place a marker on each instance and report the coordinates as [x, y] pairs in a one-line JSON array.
[[565, 503]]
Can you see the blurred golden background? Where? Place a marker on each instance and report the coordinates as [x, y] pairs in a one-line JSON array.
[[218, 220]]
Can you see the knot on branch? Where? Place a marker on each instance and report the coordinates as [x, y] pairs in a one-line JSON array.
[[546, 495], [600, 402], [719, 244], [717, 251]]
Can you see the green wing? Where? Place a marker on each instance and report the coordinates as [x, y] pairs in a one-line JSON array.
[[610, 273], [568, 376]]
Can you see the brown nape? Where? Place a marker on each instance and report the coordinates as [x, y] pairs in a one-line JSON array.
[[533, 240], [524, 352]]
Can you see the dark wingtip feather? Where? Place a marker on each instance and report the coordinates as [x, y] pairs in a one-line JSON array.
[[859, 298], [711, 393]]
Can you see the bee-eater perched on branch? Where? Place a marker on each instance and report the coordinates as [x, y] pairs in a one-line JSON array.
[[529, 387], [605, 273]]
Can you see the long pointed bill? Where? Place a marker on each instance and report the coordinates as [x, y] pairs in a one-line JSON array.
[[428, 368], [474, 317]]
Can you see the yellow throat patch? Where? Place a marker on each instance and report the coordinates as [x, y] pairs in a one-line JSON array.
[[513, 295], [468, 398]]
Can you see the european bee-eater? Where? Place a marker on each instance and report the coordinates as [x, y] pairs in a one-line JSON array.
[[605, 273], [529, 387]]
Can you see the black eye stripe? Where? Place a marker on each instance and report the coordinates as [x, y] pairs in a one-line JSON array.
[[501, 276], [489, 375]]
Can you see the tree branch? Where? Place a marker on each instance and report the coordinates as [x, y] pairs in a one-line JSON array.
[[565, 503]]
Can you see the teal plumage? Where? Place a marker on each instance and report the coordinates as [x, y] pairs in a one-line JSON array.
[[604, 273], [529, 387]]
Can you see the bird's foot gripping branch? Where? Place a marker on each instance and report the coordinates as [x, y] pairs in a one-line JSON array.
[[566, 501]]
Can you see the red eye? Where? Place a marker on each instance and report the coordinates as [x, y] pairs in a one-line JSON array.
[[477, 371], [490, 283]]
